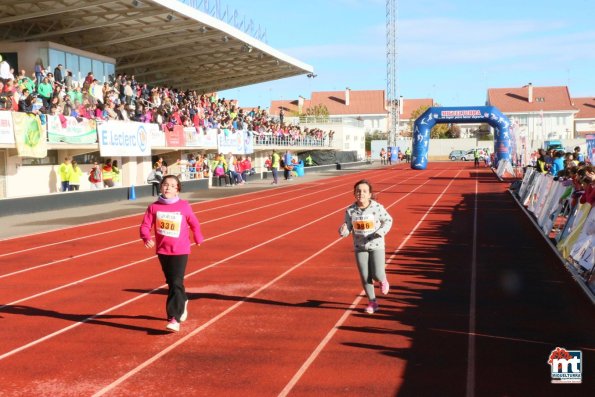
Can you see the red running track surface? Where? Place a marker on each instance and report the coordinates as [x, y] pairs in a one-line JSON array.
[[477, 300]]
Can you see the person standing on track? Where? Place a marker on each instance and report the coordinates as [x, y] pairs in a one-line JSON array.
[[172, 218], [370, 222]]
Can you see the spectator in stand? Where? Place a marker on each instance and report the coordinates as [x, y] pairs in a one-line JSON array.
[[58, 74], [68, 80], [541, 162], [25, 102], [74, 181], [45, 91], [95, 177], [232, 169], [246, 165], [557, 164], [578, 155], [5, 73], [39, 72], [65, 171], [219, 173], [569, 160]]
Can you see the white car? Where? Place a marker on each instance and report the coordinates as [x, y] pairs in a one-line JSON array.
[[466, 155]]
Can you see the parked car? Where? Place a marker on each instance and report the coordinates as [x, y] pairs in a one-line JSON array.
[[466, 155], [457, 155]]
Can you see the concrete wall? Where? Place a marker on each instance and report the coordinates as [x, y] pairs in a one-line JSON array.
[[438, 149], [24, 205]]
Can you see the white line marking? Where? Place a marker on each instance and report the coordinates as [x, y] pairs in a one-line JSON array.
[[470, 391], [302, 370], [275, 203], [49, 336], [235, 306]]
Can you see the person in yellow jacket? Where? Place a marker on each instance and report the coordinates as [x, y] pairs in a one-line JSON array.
[[65, 170], [107, 174], [74, 181], [116, 174]]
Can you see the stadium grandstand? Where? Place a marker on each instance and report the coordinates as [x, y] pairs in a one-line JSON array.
[[132, 80]]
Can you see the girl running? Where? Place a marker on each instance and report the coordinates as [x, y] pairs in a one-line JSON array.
[[172, 218], [370, 222]]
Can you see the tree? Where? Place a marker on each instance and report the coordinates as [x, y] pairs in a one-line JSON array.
[[454, 131], [375, 136]]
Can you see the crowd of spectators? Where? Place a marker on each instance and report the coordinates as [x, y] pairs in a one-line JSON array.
[[124, 98], [572, 169]]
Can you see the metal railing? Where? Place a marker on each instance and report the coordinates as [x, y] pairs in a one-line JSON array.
[[271, 140]]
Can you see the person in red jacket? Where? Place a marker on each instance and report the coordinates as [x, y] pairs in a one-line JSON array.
[[172, 218]]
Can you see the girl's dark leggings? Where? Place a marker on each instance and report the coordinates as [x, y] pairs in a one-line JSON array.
[[174, 268]]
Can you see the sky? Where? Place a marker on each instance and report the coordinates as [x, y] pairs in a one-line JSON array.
[[448, 50]]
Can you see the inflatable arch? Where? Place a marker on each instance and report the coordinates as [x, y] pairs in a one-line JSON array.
[[459, 115]]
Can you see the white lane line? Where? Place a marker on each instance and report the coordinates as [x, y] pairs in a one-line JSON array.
[[302, 370], [470, 387], [208, 323], [273, 204], [59, 332], [163, 352], [152, 256]]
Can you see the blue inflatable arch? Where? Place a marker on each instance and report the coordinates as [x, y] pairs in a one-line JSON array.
[[459, 115]]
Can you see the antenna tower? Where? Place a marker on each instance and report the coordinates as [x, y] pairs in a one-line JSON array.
[[391, 72]]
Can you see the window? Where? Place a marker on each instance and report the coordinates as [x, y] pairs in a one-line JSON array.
[[51, 159], [88, 158]]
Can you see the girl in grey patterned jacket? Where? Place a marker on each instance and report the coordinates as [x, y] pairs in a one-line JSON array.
[[369, 222]]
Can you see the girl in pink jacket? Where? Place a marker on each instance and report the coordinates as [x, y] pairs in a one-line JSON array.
[[172, 219]]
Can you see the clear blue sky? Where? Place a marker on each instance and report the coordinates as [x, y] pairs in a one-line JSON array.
[[449, 50]]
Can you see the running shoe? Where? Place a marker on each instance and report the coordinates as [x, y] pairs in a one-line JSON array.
[[173, 325], [184, 315], [384, 287], [372, 307]]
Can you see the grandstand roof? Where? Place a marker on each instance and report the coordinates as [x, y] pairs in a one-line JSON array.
[[161, 42]]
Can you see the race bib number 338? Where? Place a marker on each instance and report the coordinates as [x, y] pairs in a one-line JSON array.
[[169, 223]]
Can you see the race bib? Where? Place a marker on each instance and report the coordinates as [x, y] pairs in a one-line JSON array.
[[363, 225], [169, 223]]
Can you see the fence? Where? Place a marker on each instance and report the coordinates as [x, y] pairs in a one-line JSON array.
[[567, 224]]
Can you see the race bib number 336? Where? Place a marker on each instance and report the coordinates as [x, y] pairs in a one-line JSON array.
[[169, 223], [363, 225]]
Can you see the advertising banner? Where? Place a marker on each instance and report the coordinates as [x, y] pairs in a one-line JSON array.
[[201, 137], [6, 128], [124, 138], [175, 137], [591, 148], [29, 136], [84, 131], [236, 142]]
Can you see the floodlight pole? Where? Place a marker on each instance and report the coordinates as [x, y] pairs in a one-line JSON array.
[[392, 100]]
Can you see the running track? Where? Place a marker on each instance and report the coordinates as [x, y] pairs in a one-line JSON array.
[[477, 300]]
